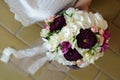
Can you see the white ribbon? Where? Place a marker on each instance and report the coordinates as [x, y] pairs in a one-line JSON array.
[[20, 54]]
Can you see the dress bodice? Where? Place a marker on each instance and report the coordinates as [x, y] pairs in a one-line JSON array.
[[31, 11]]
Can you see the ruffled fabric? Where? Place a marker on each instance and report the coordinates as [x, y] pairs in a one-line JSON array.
[[31, 11]]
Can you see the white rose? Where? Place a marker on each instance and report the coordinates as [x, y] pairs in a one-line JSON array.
[[44, 32], [75, 29], [71, 11], [69, 20], [82, 19], [67, 33], [100, 22], [52, 43], [58, 37]]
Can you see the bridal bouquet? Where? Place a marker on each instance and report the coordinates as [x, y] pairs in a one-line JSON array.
[[75, 37]]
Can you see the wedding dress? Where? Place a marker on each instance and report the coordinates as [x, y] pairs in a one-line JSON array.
[[32, 59], [31, 11]]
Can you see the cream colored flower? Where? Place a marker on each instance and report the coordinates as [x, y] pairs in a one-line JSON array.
[[52, 43], [82, 19], [71, 11], [44, 32], [100, 22], [67, 33]]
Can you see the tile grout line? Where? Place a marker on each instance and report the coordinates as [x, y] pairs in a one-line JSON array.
[[93, 9], [115, 16], [19, 30], [23, 41], [98, 74], [20, 69], [9, 31], [119, 29], [17, 35], [67, 74], [108, 75], [116, 25], [113, 23], [116, 52]]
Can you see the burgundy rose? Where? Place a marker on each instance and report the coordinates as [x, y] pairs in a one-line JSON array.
[[86, 39], [69, 53], [72, 55], [58, 23]]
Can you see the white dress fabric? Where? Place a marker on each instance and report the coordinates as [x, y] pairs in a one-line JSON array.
[[31, 59], [32, 11]]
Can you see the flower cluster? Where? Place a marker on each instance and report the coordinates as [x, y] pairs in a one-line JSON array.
[[75, 37]]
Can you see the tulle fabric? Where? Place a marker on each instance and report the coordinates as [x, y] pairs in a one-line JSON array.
[[32, 11], [31, 60]]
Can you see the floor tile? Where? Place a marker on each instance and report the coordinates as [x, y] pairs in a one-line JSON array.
[[108, 8], [30, 34], [87, 73], [110, 64], [49, 72], [68, 78], [7, 72], [117, 20], [8, 40], [115, 37], [7, 18], [102, 76]]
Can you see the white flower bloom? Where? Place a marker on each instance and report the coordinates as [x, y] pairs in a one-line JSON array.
[[71, 11], [75, 20], [52, 43], [58, 37], [67, 33], [100, 22], [83, 20], [44, 32], [75, 29]]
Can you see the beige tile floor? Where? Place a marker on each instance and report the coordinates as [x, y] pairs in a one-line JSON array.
[[13, 34]]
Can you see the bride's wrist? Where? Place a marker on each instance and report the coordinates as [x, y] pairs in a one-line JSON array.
[[83, 4]]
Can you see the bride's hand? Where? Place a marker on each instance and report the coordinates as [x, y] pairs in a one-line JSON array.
[[83, 4]]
